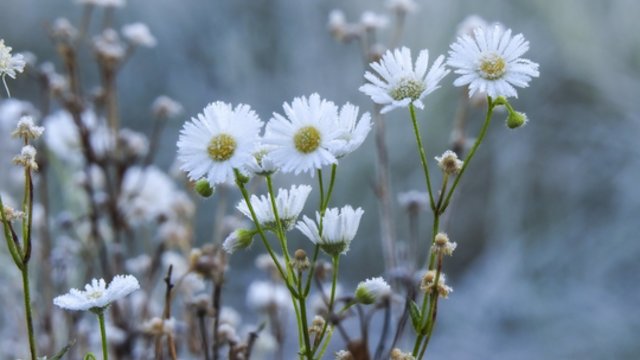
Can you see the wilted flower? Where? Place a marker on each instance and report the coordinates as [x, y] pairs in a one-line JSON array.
[[27, 129], [165, 107], [449, 162]]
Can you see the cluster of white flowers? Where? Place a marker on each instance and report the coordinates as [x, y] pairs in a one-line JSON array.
[[311, 134], [289, 204], [489, 61]]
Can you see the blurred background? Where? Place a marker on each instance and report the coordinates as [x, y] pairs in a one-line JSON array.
[[548, 217]]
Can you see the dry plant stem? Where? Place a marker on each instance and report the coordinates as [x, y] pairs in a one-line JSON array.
[[383, 192], [166, 314], [203, 335], [216, 297], [385, 328]]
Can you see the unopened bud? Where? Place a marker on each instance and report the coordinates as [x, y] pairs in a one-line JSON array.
[[203, 188], [516, 119]]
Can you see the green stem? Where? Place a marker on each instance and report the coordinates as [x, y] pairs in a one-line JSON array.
[[263, 237], [27, 309], [280, 231], [103, 335], [334, 283], [334, 169], [321, 187], [13, 247], [423, 156], [472, 152]]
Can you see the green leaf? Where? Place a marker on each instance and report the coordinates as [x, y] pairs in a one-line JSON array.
[[416, 317], [62, 352]]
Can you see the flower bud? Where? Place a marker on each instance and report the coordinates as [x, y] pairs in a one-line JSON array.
[[203, 188], [516, 119], [238, 240], [371, 290]]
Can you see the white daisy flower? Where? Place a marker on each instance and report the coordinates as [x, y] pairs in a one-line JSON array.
[[218, 141], [398, 84], [354, 132], [288, 202], [339, 227], [98, 295], [490, 62], [372, 290], [302, 141]]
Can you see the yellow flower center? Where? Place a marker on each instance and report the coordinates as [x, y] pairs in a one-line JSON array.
[[307, 139], [95, 295], [221, 147], [492, 66], [407, 88]]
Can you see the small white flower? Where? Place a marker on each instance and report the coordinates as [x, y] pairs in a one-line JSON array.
[[339, 227], [217, 141], [262, 163], [139, 200], [372, 21], [490, 62], [63, 138], [442, 245], [470, 24], [266, 296], [302, 141], [27, 158], [372, 290], [165, 107], [97, 295], [103, 3], [27, 129], [10, 64], [238, 240], [353, 132], [109, 48], [344, 355], [63, 30], [402, 6], [414, 200], [12, 214], [139, 34], [288, 202], [398, 83], [449, 162]]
